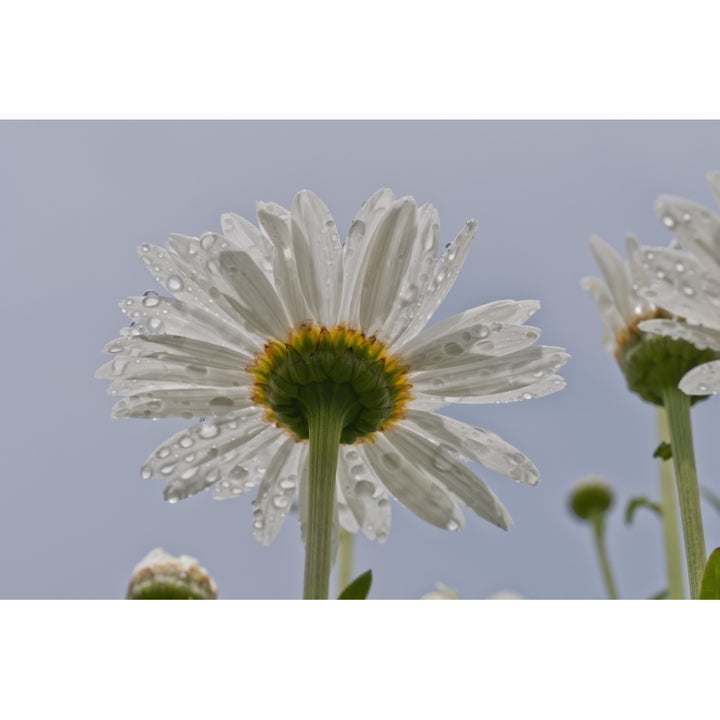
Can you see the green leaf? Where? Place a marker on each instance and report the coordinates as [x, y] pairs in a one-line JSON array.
[[710, 588], [637, 502], [358, 589], [663, 451]]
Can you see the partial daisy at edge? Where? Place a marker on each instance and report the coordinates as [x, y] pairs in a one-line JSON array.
[[685, 280], [259, 319]]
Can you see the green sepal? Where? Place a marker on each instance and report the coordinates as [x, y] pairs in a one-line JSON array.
[[710, 587], [359, 588], [297, 367], [278, 384], [368, 379], [342, 370], [638, 502], [375, 398]]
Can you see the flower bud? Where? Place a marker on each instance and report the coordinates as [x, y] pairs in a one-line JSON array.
[[591, 497], [161, 576]]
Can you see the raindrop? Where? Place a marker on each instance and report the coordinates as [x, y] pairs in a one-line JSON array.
[[668, 221], [679, 267], [146, 473], [688, 291], [357, 471], [151, 299], [363, 488], [452, 349], [453, 525], [686, 217], [188, 473], [702, 388], [527, 396], [172, 498], [280, 502], [174, 283], [167, 469], [209, 430], [186, 441], [287, 483], [163, 452]]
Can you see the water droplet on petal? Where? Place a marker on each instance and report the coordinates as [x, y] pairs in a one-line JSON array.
[[453, 525], [174, 283], [668, 221], [688, 291]]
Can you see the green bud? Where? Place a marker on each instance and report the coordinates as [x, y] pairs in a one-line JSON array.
[[590, 498]]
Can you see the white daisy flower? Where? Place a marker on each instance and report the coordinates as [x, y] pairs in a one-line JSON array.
[[687, 283], [266, 322]]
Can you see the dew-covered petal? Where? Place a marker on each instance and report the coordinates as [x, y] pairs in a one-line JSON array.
[[699, 335], [275, 221], [418, 274], [277, 490], [477, 322], [612, 321], [316, 246], [383, 266], [490, 375], [183, 402], [346, 518], [357, 243], [694, 225], [640, 276], [440, 462], [474, 444], [245, 236], [702, 380], [444, 275], [617, 277], [155, 314], [411, 485], [682, 285], [364, 493]]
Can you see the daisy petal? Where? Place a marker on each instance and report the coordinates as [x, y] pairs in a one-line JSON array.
[[700, 336], [694, 225], [275, 221], [412, 486], [439, 463], [240, 477], [383, 266], [346, 518], [682, 285], [616, 276], [713, 179], [612, 321], [364, 493], [317, 249], [491, 376], [245, 236], [183, 402], [702, 380], [361, 231], [509, 312], [277, 490], [444, 275], [474, 444]]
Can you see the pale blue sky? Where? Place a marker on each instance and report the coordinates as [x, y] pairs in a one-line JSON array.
[[79, 197]]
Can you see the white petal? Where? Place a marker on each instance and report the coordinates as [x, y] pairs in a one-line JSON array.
[[702, 380], [439, 463], [364, 493], [275, 221], [417, 276], [701, 337], [491, 376], [612, 322], [245, 236], [383, 266], [473, 443], [346, 518], [316, 246], [357, 243], [477, 319], [226, 280], [278, 489], [445, 273], [183, 402], [617, 277], [682, 285], [411, 486], [694, 225], [155, 315]]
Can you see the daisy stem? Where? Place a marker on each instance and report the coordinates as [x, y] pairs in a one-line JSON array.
[[598, 523], [668, 505], [345, 559], [325, 424], [677, 405]]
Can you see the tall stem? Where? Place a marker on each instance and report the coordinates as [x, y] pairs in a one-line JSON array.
[[677, 405], [668, 506], [324, 430], [598, 523]]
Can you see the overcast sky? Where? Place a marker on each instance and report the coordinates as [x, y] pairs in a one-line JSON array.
[[79, 197]]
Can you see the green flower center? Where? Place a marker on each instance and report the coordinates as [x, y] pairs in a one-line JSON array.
[[366, 386]]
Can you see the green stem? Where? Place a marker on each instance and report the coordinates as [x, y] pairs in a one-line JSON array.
[[345, 561], [325, 423], [598, 523], [668, 505], [677, 405]]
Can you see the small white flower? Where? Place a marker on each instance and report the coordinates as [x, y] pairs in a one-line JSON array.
[[441, 592], [160, 575], [687, 283], [261, 317]]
